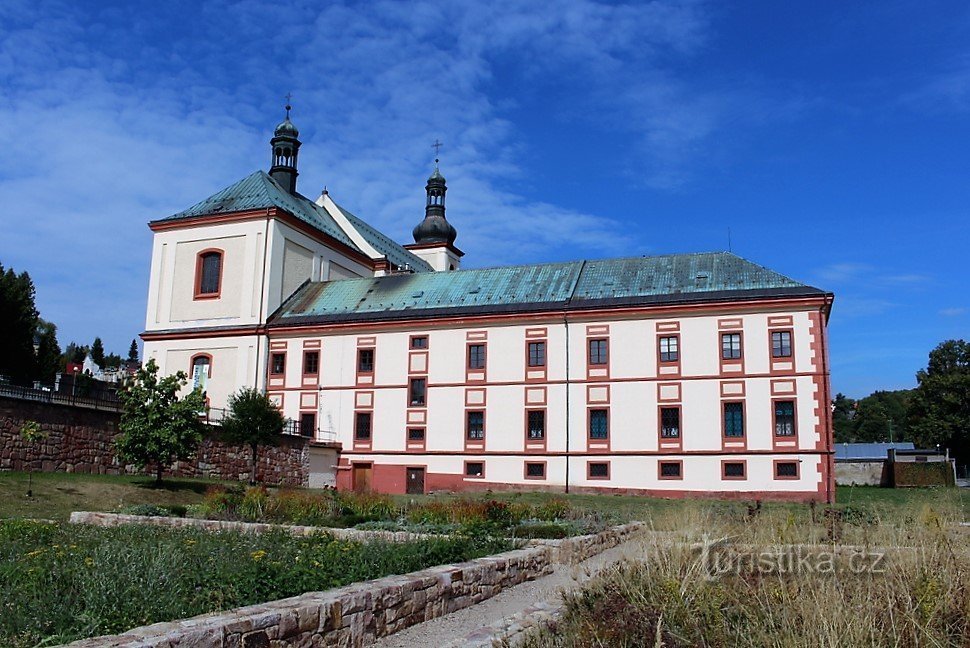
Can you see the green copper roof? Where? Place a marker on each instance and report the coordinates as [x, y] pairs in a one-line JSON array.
[[576, 285], [258, 191], [395, 253]]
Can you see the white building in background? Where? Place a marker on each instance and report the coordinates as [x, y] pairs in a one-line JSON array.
[[676, 375]]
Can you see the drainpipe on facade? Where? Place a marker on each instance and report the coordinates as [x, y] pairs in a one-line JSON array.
[[823, 317], [262, 294], [565, 324]]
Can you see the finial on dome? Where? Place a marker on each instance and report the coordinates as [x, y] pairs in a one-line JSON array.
[[286, 146]]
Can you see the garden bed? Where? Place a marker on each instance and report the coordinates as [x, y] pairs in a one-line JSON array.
[[553, 518], [59, 583]]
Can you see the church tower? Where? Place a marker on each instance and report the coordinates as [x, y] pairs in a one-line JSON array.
[[286, 148], [434, 237]]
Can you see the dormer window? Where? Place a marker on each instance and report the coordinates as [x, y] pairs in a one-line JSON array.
[[208, 274]]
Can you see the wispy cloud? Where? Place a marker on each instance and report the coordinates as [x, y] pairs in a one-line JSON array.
[[954, 312]]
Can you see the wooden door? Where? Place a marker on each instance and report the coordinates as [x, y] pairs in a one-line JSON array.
[[362, 477], [415, 483]]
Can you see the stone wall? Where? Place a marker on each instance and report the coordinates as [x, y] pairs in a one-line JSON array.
[[354, 615], [82, 440], [861, 473]]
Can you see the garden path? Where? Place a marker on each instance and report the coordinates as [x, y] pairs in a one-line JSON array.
[[463, 627]]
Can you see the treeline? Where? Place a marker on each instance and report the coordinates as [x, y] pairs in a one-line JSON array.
[[29, 350], [935, 413]]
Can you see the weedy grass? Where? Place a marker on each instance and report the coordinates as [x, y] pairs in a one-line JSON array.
[[731, 575], [63, 582]]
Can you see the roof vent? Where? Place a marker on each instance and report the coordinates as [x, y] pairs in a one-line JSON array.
[[703, 275], [418, 294], [475, 290]]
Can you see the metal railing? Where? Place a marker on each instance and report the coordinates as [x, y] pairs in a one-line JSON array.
[[215, 416], [100, 399]]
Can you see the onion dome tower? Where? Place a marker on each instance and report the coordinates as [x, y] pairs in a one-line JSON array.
[[434, 237], [286, 148], [435, 228]]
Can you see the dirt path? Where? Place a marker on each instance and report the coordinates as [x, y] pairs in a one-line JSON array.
[[448, 630]]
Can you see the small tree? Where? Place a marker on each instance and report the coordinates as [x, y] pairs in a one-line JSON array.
[[157, 427], [31, 433], [133, 351], [97, 352], [252, 419]]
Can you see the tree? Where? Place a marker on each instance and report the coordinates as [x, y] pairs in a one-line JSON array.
[[879, 417], [843, 411], [157, 427], [97, 352], [939, 412], [252, 419], [112, 361], [48, 352], [18, 324], [133, 351], [31, 433]]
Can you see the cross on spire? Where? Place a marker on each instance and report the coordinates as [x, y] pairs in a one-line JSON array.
[[437, 147], [288, 97]]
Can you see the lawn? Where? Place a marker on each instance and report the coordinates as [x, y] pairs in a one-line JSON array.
[[55, 495], [61, 582]]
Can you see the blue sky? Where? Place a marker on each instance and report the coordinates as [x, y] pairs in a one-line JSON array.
[[829, 137]]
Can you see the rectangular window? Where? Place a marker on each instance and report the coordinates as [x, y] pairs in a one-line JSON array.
[[670, 422], [537, 354], [733, 419], [670, 470], [781, 344], [365, 360], [535, 470], [786, 469], [476, 356], [475, 425], [599, 424], [210, 273], [277, 364], [669, 349], [362, 426], [784, 418], [731, 346], [419, 342], [599, 470], [733, 469], [474, 469], [311, 363], [415, 434], [308, 424], [537, 425], [598, 352], [418, 391]]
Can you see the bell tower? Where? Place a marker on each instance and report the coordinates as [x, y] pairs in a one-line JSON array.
[[286, 148], [434, 237]]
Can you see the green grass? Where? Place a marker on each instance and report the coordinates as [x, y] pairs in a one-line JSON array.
[[56, 495], [61, 582]]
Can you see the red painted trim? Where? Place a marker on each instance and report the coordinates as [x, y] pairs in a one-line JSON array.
[[775, 437], [277, 378], [726, 477], [427, 342], [525, 470], [365, 377], [432, 246], [730, 362], [543, 369], [589, 394], [214, 332], [542, 402], [198, 294], [611, 453], [192, 364], [667, 369], [589, 471], [798, 469], [602, 445], [415, 445], [412, 404], [743, 439], [476, 445], [310, 374], [267, 213], [670, 443], [368, 443], [754, 306], [535, 445], [772, 360], [465, 470], [476, 375], [602, 370], [680, 475]]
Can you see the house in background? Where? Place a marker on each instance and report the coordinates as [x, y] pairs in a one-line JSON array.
[[674, 375]]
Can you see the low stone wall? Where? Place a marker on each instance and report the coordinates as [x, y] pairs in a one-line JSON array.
[[118, 519], [357, 614], [861, 473], [353, 615], [81, 440]]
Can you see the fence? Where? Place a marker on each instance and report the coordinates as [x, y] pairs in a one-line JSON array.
[[215, 416], [101, 400]]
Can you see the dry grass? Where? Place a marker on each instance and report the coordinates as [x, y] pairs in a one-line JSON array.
[[751, 590]]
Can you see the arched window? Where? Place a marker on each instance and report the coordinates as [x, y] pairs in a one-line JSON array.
[[208, 274], [201, 371]]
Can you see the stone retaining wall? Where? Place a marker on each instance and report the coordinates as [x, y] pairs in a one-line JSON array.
[[357, 614], [82, 440], [354, 615]]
